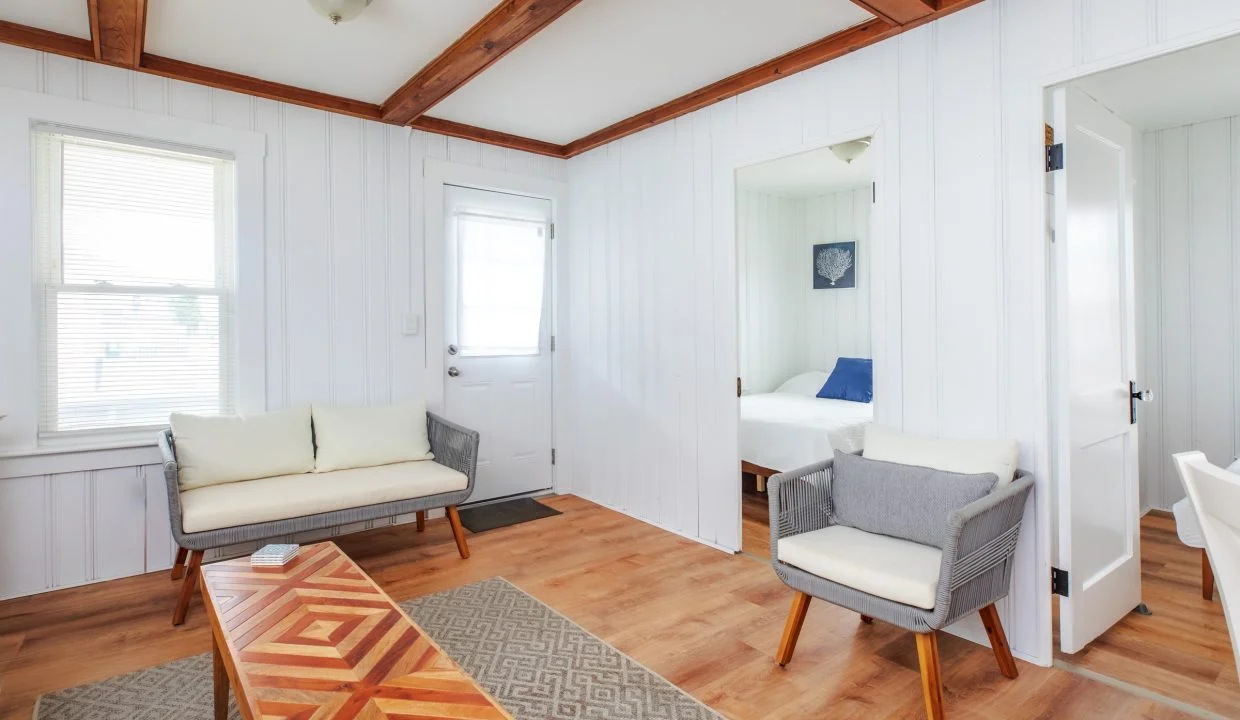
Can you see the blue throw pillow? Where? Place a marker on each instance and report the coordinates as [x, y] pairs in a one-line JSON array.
[[852, 379]]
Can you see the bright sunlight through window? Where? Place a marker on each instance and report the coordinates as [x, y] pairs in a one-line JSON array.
[[135, 249], [501, 263]]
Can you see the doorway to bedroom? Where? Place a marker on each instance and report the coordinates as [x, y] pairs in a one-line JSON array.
[[803, 230]]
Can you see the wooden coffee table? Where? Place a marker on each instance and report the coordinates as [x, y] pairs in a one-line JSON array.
[[317, 638]]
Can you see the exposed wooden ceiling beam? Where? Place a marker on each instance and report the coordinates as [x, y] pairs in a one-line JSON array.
[[804, 58], [508, 25], [118, 31], [55, 43], [490, 137], [899, 12]]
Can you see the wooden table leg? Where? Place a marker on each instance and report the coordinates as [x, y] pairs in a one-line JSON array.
[[220, 679]]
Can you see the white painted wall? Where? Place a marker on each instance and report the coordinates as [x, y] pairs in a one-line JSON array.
[[786, 326], [1188, 262], [344, 252], [958, 295]]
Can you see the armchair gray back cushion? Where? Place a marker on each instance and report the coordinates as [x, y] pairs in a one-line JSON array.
[[904, 501]]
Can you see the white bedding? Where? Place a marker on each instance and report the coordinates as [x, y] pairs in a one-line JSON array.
[[784, 431]]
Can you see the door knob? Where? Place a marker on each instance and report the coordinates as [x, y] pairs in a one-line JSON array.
[[1133, 396], [452, 350], [453, 372], [1143, 395]]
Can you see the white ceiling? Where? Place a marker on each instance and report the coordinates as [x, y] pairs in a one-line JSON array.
[[68, 17], [606, 60], [1185, 87], [816, 172], [286, 41]]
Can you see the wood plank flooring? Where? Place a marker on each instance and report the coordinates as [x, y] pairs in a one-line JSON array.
[[1182, 650], [755, 520], [707, 621]]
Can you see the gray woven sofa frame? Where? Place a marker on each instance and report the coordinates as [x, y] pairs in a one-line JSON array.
[[454, 446], [976, 569]]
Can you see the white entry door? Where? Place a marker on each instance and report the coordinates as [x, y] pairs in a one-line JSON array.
[[498, 332], [1097, 481]]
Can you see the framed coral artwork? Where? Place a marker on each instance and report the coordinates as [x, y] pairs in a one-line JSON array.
[[835, 266]]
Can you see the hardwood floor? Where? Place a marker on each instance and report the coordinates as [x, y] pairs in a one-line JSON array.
[[755, 520], [1182, 650], [707, 621]]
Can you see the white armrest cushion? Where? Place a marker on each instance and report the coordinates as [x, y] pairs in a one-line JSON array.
[[959, 456], [229, 448], [354, 437]]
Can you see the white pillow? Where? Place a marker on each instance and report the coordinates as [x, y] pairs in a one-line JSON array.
[[351, 437], [808, 383], [961, 456], [215, 449]]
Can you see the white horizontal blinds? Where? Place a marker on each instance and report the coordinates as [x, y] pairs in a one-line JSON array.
[[137, 283], [501, 265]]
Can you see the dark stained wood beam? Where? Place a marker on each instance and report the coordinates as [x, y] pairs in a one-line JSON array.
[[118, 31], [509, 24], [899, 12], [490, 137], [55, 43], [804, 58]]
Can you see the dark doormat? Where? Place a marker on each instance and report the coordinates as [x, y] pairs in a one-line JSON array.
[[502, 514]]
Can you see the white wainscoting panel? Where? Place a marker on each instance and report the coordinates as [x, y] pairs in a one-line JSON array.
[[1188, 257]]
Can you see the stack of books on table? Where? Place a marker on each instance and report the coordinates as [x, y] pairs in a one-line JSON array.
[[273, 555]]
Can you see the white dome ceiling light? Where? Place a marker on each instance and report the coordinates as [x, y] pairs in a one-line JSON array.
[[339, 11], [851, 150]]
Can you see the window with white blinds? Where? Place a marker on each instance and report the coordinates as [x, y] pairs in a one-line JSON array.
[[137, 291]]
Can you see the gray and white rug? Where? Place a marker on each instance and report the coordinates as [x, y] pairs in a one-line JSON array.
[[537, 663]]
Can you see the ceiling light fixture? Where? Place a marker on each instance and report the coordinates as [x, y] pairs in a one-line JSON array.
[[851, 150], [339, 11]]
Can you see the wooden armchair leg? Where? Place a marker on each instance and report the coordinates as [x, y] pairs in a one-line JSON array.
[[792, 628], [178, 565], [458, 532], [998, 641], [187, 587], [931, 676], [867, 619], [1207, 576], [421, 520]]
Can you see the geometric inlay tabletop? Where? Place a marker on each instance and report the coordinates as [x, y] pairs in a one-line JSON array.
[[317, 639]]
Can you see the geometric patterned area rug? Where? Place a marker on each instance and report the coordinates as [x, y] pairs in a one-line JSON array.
[[537, 663]]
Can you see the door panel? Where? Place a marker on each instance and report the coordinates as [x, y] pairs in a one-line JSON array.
[[497, 326], [1098, 514]]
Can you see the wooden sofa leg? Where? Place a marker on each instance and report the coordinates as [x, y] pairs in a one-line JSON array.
[[998, 641], [421, 520], [792, 628], [931, 676], [458, 532], [178, 565], [1207, 576], [187, 587]]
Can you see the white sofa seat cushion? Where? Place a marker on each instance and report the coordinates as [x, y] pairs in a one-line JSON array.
[[291, 496], [959, 456], [898, 570], [214, 449], [356, 437]]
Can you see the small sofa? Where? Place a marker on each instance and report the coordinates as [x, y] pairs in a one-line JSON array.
[[237, 479]]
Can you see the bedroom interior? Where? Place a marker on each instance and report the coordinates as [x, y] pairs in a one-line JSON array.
[[399, 358]]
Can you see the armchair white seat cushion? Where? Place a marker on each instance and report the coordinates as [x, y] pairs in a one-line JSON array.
[[292, 496], [214, 449], [959, 456], [899, 570]]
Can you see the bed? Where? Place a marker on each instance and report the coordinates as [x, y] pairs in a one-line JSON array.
[[791, 428]]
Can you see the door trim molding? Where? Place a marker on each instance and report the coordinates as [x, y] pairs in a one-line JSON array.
[[437, 173]]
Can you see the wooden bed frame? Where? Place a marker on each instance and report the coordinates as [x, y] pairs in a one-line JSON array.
[[761, 473]]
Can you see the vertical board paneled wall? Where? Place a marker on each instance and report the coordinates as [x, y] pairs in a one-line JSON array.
[[344, 266], [1188, 261], [958, 286]]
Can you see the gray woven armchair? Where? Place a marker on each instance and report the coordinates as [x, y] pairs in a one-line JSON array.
[[975, 569]]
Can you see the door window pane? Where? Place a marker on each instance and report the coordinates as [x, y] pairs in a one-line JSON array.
[[501, 267]]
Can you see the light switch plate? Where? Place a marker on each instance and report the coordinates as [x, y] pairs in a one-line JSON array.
[[413, 323]]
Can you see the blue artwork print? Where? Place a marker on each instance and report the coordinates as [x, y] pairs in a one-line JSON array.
[[835, 266]]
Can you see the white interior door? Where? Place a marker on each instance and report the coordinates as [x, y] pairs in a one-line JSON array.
[[498, 330], [1097, 482]]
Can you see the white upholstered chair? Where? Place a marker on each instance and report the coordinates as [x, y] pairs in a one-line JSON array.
[[1215, 493]]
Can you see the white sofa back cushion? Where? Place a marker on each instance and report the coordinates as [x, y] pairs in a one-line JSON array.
[[960, 456], [352, 437], [215, 449]]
